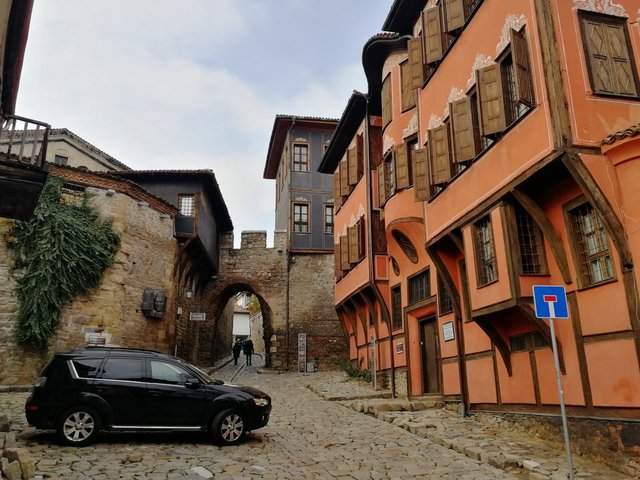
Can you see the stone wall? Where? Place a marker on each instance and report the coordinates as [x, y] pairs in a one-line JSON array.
[[112, 311], [312, 311]]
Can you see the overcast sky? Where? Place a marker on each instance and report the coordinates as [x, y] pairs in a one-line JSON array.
[[193, 84]]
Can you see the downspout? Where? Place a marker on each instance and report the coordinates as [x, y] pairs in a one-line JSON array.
[[372, 282], [288, 257]]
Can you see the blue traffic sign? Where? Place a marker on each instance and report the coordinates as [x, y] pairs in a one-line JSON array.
[[550, 301]]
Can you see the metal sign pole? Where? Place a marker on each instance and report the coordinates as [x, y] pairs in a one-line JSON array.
[[565, 426]]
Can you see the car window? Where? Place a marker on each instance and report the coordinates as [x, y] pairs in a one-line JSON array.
[[87, 367], [162, 372], [122, 369]]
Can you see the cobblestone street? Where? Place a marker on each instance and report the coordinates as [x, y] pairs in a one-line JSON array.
[[317, 430]]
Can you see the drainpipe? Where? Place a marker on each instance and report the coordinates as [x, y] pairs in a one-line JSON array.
[[372, 282], [288, 251]]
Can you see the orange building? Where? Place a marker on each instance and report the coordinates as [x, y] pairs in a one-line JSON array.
[[494, 151]]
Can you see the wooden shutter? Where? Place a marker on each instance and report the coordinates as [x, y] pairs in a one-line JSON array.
[[417, 65], [344, 253], [596, 38], [522, 72], [337, 196], [456, 13], [432, 32], [492, 107], [336, 261], [382, 198], [464, 139], [375, 145], [352, 233], [420, 177], [359, 156], [361, 238], [440, 156], [386, 101], [621, 62], [352, 165], [402, 166], [409, 94], [344, 178]]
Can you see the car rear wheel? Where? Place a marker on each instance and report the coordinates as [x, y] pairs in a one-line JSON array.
[[228, 427], [78, 426]]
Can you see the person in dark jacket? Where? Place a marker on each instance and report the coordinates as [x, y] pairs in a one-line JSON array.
[[247, 348], [237, 347]]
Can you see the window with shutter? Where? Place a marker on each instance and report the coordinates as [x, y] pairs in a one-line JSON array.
[[456, 13], [440, 155], [352, 233], [336, 262], [402, 166], [420, 177], [382, 198], [609, 56], [389, 175], [409, 94], [337, 196], [344, 178], [352, 165], [464, 122], [361, 238], [492, 108], [344, 253], [359, 156], [522, 72], [386, 101], [418, 72], [432, 32]]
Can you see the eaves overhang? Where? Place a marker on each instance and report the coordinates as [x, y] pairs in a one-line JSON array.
[[205, 177], [14, 47], [403, 15], [374, 54], [281, 127], [348, 125]]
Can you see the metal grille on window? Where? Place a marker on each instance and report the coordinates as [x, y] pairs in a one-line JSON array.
[[591, 244], [186, 205], [526, 341], [444, 299], [529, 241], [486, 255], [396, 305], [419, 287]]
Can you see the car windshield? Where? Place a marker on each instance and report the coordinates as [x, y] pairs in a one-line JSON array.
[[206, 378]]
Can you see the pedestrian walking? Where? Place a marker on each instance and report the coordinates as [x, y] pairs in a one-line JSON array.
[[247, 348], [237, 347]]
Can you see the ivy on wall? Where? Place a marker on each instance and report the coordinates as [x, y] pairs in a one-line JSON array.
[[62, 251]]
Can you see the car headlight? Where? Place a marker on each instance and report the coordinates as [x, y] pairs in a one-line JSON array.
[[261, 402]]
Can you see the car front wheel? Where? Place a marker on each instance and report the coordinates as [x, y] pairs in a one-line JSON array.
[[78, 426], [228, 427]]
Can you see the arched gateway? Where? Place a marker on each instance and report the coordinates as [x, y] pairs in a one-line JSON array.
[[267, 273]]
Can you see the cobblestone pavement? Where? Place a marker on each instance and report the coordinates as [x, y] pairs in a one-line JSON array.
[[317, 430]]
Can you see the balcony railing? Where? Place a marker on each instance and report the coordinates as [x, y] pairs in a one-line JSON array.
[[24, 141]]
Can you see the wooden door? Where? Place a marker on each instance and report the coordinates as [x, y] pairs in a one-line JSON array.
[[430, 355]]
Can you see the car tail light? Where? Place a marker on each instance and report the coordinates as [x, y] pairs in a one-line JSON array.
[[40, 381], [32, 408]]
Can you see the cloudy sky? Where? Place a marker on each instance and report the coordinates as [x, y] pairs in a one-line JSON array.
[[193, 84]]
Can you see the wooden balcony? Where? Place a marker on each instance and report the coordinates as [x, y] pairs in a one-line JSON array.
[[23, 149]]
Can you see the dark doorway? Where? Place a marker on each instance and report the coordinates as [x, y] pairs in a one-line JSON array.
[[430, 357]]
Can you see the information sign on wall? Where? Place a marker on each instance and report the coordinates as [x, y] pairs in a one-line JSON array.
[[447, 331], [302, 352]]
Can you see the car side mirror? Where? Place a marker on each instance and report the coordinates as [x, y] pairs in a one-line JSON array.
[[193, 383]]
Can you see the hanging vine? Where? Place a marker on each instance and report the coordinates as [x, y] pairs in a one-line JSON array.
[[61, 252]]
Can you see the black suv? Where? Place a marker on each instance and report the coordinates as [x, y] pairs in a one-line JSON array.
[[86, 390]]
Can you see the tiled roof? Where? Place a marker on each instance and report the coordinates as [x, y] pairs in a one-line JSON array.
[[622, 134]]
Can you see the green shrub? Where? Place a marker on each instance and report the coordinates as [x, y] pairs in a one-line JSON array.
[[354, 371], [60, 252]]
